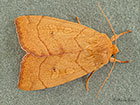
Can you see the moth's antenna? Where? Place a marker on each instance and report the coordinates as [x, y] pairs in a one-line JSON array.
[[106, 79], [106, 18], [114, 54]]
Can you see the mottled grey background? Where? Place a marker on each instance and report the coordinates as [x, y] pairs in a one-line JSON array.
[[122, 88]]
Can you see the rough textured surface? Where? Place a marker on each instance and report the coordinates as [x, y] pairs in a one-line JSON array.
[[123, 86]]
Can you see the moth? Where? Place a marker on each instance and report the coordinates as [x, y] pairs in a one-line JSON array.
[[59, 51]]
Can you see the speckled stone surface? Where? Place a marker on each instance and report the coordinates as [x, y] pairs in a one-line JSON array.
[[123, 86]]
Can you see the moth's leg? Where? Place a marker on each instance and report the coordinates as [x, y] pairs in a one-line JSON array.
[[77, 20], [112, 60], [89, 79], [117, 36]]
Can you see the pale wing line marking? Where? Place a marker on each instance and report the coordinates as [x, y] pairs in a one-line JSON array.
[[46, 48], [39, 35], [75, 38], [76, 61], [29, 21], [39, 73]]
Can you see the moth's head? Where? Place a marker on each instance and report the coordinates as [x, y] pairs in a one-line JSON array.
[[115, 49]]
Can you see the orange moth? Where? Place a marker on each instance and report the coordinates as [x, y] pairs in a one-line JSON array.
[[59, 51]]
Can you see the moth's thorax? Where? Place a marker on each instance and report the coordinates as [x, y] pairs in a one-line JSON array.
[[100, 48]]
